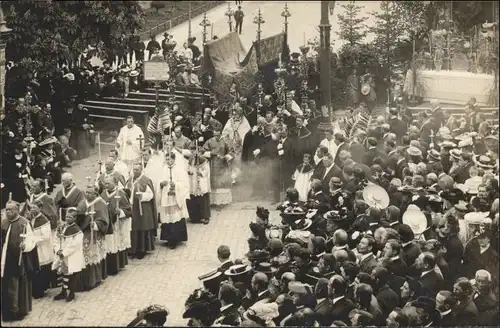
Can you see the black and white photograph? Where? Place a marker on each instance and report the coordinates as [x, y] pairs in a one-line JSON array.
[[249, 163]]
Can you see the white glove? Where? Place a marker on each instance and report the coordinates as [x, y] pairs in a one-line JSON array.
[[203, 128], [94, 226], [281, 152], [11, 134], [56, 164], [18, 165], [207, 154], [256, 152], [228, 157], [200, 139], [255, 128], [280, 146]]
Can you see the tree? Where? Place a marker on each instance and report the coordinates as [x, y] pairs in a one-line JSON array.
[[158, 5], [389, 34], [352, 27], [45, 32]]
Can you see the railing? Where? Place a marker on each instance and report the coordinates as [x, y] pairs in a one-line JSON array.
[[171, 23]]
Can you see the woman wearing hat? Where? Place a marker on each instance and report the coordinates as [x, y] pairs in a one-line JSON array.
[[151, 316]]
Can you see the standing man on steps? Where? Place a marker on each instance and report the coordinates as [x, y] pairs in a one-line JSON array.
[[238, 17], [130, 142]]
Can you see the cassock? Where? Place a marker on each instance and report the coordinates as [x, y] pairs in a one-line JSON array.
[[120, 167], [288, 160], [143, 226], [220, 171], [172, 208], [252, 141], [44, 244], [94, 246], [234, 133], [130, 145], [117, 175], [53, 164], [17, 166], [183, 143], [198, 204], [118, 235], [16, 284], [68, 197]]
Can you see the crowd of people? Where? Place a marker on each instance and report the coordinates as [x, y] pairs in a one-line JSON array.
[[387, 223]]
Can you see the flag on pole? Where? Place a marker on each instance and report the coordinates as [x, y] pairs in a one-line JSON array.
[[157, 124]]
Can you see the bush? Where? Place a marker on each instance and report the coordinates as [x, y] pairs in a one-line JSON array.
[[158, 5]]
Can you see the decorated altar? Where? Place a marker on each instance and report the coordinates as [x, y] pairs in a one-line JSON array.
[[458, 64]]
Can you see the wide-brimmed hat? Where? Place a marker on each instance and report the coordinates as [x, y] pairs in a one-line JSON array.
[[434, 154], [274, 233], [48, 141], [134, 73], [461, 206], [265, 267], [69, 76], [212, 280], [414, 151], [302, 224], [333, 216], [304, 48], [299, 288], [258, 255], [152, 310], [484, 162], [456, 153], [375, 196], [237, 270], [294, 211], [467, 142], [415, 219]]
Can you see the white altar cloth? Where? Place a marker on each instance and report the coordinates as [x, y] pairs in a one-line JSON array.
[[451, 87]]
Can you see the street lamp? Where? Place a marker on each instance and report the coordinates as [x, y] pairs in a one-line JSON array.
[[286, 14], [229, 13], [205, 23], [259, 20]]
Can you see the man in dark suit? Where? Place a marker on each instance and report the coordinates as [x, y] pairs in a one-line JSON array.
[[398, 127], [341, 305], [340, 140], [395, 264], [224, 254], [466, 310], [288, 158], [485, 299], [372, 153], [446, 304], [367, 260], [318, 159], [411, 250], [430, 280], [386, 297], [330, 171], [324, 307], [357, 147]]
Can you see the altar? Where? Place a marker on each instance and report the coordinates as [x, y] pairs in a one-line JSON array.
[[451, 87]]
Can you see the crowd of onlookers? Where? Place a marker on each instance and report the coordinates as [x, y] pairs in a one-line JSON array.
[[396, 226]]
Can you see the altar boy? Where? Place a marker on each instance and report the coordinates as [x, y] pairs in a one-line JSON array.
[[69, 251]]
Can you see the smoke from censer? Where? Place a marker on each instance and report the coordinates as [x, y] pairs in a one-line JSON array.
[[257, 181]]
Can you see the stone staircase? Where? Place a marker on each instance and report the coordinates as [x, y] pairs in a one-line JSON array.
[[109, 113]]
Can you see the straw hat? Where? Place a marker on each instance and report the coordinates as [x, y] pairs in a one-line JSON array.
[[434, 154], [375, 196], [302, 224], [456, 153], [414, 151], [484, 162], [237, 270], [415, 218]]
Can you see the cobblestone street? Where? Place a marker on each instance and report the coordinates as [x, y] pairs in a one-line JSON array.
[[165, 276]]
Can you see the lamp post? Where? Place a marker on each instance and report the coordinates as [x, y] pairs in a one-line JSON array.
[[205, 23], [4, 32], [286, 14], [229, 13], [259, 20], [325, 69], [189, 21]]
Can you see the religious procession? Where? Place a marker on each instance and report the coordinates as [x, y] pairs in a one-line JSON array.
[[384, 214]]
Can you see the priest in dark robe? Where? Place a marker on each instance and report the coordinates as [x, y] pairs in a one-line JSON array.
[[253, 140], [144, 213], [118, 234], [48, 207], [69, 195], [288, 159], [18, 263], [16, 165], [198, 204], [266, 158], [93, 220], [303, 137]]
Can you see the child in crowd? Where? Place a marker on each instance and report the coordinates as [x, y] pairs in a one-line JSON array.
[[302, 176]]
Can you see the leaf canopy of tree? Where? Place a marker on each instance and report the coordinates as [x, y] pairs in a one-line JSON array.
[[45, 31]]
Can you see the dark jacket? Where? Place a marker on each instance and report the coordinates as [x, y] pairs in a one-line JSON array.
[[387, 299], [410, 252], [431, 284], [368, 264]]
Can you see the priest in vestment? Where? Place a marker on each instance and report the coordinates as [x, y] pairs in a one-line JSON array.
[[118, 235], [234, 133], [109, 170], [129, 143], [19, 262], [93, 220], [48, 207], [219, 153], [198, 204], [69, 195], [120, 166], [173, 192], [144, 214]]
